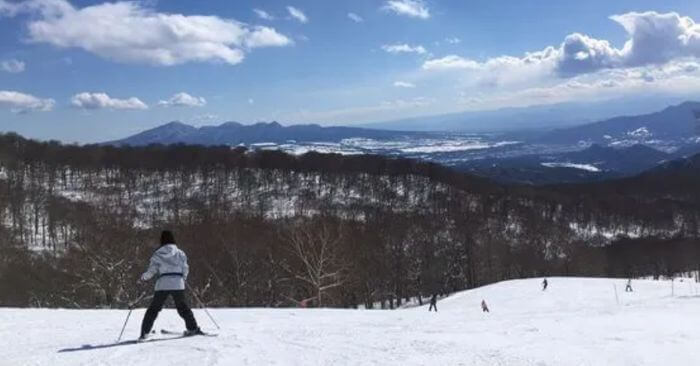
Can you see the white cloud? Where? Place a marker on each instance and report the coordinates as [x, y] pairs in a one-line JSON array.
[[183, 100], [660, 56], [22, 103], [262, 14], [582, 54], [654, 39], [297, 14], [12, 66], [129, 32], [355, 18], [265, 37], [453, 40], [404, 84], [410, 8], [658, 38], [102, 101], [403, 48]]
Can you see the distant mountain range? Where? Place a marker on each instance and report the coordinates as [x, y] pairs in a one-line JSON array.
[[612, 148], [618, 147], [672, 123], [233, 133], [539, 117]]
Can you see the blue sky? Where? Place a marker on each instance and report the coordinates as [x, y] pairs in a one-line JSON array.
[[91, 71]]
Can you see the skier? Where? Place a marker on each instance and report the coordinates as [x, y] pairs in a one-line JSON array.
[[544, 284], [433, 303], [170, 264], [484, 307], [628, 288]]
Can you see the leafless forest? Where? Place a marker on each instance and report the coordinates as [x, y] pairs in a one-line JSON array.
[[78, 225]]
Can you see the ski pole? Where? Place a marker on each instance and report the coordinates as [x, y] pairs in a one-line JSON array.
[[131, 308], [205, 309], [124, 326]]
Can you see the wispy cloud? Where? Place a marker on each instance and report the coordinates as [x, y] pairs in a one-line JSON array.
[[262, 14], [355, 18], [450, 62], [404, 84], [674, 78], [297, 14], [103, 101], [22, 103], [12, 66], [205, 118], [404, 48], [366, 112], [410, 8]]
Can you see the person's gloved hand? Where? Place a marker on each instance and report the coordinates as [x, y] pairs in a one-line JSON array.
[[144, 277]]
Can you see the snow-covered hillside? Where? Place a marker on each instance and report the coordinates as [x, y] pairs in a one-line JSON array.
[[575, 322]]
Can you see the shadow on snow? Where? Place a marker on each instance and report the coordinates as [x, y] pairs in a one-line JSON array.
[[89, 347]]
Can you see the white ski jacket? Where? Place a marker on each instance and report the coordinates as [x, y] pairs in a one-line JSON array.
[[169, 263]]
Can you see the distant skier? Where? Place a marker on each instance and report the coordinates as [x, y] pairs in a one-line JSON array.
[[170, 264], [544, 284], [484, 307], [433, 303], [628, 288]]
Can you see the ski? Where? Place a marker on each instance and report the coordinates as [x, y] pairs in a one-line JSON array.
[[182, 334], [156, 339]]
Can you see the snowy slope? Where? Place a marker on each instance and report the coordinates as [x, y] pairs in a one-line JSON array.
[[574, 322]]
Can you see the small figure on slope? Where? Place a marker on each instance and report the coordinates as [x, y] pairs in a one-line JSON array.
[[170, 264], [433, 303], [544, 284], [484, 307], [628, 288]]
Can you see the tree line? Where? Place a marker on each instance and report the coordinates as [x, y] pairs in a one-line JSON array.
[[263, 228]]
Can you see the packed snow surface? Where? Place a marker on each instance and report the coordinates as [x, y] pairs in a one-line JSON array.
[[575, 322]]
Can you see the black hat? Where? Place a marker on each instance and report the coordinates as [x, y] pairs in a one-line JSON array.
[[167, 237]]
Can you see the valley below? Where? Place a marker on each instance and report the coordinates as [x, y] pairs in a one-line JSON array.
[[609, 149]]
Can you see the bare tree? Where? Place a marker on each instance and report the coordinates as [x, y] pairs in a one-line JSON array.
[[315, 243]]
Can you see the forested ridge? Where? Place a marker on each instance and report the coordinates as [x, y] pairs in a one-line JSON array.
[[263, 228]]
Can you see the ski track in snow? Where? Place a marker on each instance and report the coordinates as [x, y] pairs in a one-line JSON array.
[[577, 321]]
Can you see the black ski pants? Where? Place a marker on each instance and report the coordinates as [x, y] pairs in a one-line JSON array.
[[159, 298]]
